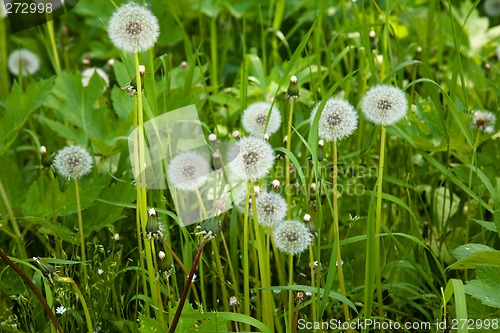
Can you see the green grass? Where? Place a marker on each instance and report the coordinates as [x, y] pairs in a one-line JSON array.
[[419, 242]]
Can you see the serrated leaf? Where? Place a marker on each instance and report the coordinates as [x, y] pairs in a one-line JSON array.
[[150, 325], [20, 104], [491, 258], [470, 249], [486, 287]]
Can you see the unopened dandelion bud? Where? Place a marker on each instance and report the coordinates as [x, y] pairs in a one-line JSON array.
[[256, 189], [266, 137], [86, 59], [293, 88], [285, 140], [111, 62], [211, 227], [142, 70], [233, 301], [116, 237], [43, 150], [212, 137], [184, 64], [307, 218], [276, 184], [151, 212], [236, 135], [161, 255]]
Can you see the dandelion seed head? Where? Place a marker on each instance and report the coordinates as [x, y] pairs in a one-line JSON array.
[[384, 104], [73, 162], [271, 208], [255, 117], [133, 28], [337, 121], [492, 7], [25, 60], [188, 171], [251, 158], [484, 120], [292, 237]]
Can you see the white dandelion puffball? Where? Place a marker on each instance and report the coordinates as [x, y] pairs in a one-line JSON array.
[[255, 117], [384, 104], [271, 208], [73, 162], [250, 158], [188, 171], [484, 120], [23, 60], [492, 7], [89, 72], [337, 121], [292, 237], [133, 28]]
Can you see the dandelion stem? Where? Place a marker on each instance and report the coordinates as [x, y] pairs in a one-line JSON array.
[[340, 270], [288, 191], [291, 324], [378, 221], [186, 288], [246, 279], [82, 238]]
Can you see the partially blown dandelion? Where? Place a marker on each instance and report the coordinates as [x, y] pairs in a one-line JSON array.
[[133, 28], [337, 121], [271, 208], [23, 61], [255, 117], [484, 121], [188, 171], [384, 104], [250, 159], [73, 162], [292, 237]]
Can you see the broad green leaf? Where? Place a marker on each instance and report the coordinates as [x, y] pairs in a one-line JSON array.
[[150, 325], [470, 249], [20, 104], [486, 287], [491, 258]]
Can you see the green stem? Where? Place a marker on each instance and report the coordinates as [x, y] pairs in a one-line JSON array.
[[290, 293], [340, 270], [82, 300], [82, 238], [246, 266], [4, 74], [288, 190], [378, 222], [50, 31]]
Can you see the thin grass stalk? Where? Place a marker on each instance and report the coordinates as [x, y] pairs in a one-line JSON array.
[[53, 45], [18, 237], [78, 292], [82, 238], [246, 278], [4, 74], [141, 193]]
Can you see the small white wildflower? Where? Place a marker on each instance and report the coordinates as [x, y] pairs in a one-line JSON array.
[[133, 28], [116, 237], [88, 73], [484, 120], [188, 171], [60, 310], [73, 162], [255, 117], [384, 104], [161, 255], [24, 60], [307, 218], [337, 121], [251, 158], [308, 293], [100, 271]]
